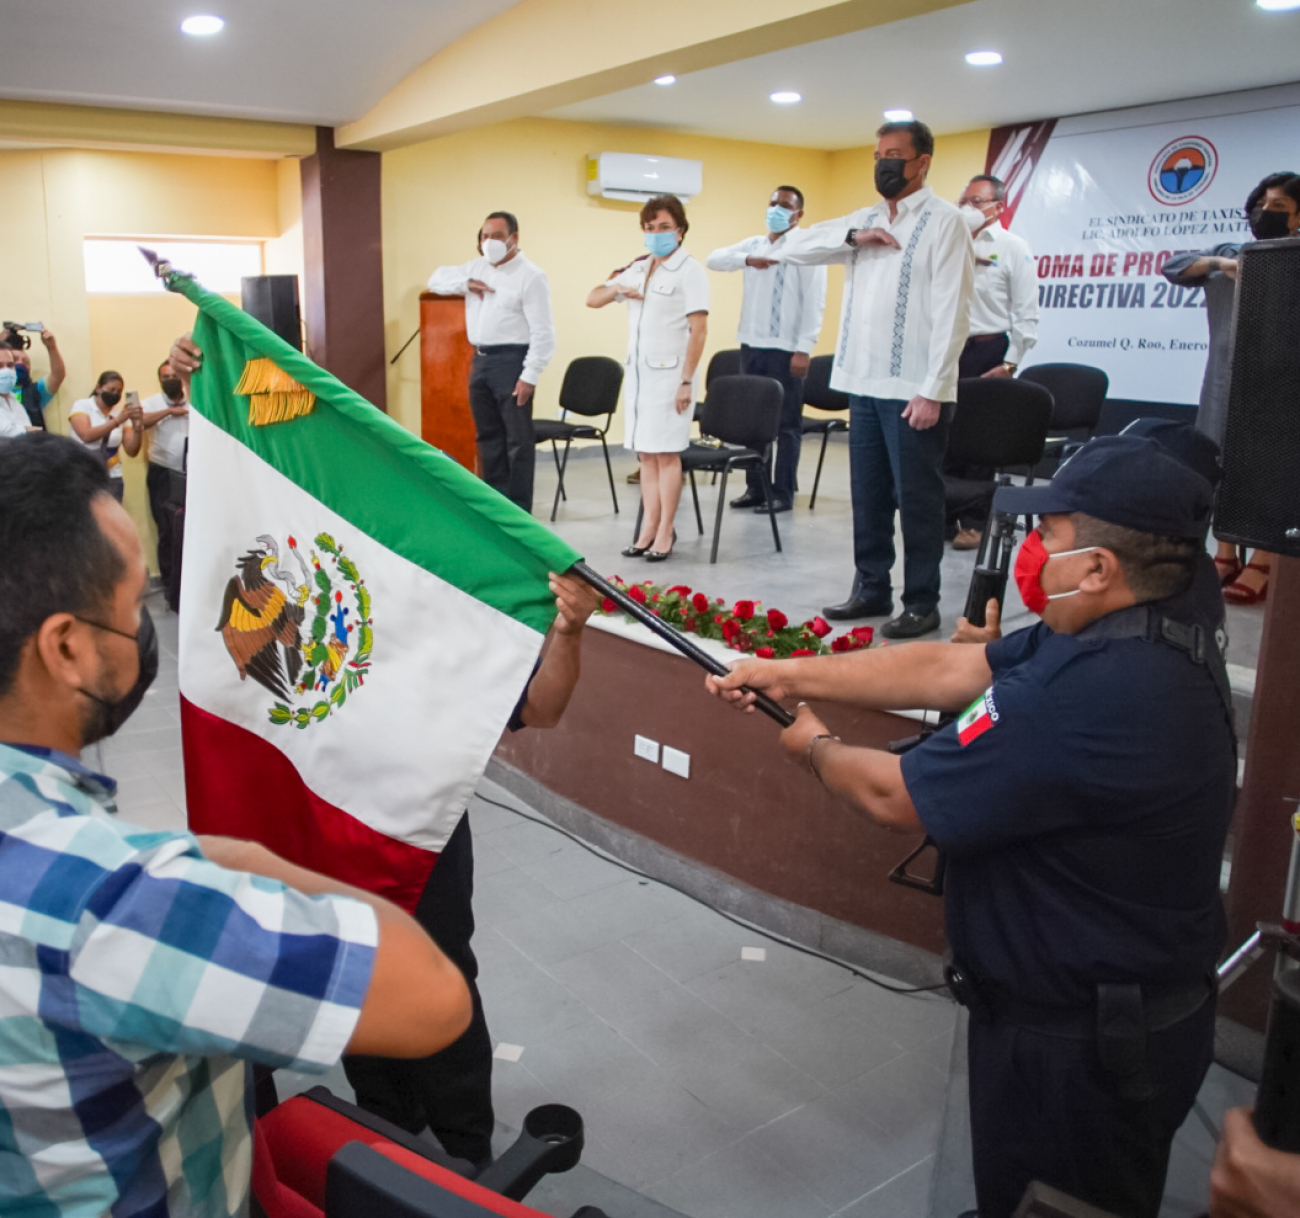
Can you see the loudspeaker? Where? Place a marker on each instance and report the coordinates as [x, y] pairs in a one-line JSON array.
[[1259, 498], [273, 300]]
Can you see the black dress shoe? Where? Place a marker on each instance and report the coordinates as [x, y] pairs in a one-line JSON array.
[[859, 606], [778, 505], [661, 555], [911, 625], [749, 500]]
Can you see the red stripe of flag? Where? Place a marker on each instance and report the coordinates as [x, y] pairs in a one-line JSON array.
[[239, 785]]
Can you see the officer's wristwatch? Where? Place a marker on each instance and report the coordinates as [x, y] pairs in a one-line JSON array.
[[1011, 368], [852, 238]]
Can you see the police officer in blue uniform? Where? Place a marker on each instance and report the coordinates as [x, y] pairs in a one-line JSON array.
[[1082, 800]]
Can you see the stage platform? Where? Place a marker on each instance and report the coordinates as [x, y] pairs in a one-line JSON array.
[[814, 570]]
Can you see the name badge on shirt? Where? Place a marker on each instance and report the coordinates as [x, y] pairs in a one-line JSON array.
[[979, 717]]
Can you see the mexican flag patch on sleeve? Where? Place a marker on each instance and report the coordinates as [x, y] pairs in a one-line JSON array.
[[977, 718]]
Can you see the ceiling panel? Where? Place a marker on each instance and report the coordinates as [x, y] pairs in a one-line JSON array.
[[1060, 57], [307, 61]]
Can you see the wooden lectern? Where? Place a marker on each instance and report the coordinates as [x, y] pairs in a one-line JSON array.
[[445, 357]]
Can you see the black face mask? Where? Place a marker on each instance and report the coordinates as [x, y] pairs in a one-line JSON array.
[[24, 377], [1269, 225], [171, 386], [891, 180], [110, 713], [110, 397]]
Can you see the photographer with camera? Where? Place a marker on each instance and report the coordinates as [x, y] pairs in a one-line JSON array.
[[35, 395], [1082, 800]]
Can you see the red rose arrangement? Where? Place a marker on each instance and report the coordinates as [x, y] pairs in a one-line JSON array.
[[745, 627]]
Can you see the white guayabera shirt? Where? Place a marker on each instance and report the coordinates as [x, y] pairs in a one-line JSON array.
[[905, 314]]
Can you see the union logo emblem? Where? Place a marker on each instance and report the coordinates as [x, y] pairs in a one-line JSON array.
[[264, 623], [1182, 169]]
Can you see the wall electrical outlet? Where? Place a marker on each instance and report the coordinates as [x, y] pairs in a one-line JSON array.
[[677, 762], [643, 746]]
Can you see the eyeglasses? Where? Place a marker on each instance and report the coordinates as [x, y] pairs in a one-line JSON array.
[[980, 203], [111, 629]]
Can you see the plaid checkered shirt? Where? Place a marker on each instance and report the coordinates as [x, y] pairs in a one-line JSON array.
[[137, 983]]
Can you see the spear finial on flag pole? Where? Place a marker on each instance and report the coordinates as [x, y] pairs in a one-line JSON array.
[[161, 267]]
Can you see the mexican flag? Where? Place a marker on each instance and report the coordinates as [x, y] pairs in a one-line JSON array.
[[360, 616]]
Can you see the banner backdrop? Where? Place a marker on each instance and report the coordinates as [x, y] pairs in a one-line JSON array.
[[1104, 200]]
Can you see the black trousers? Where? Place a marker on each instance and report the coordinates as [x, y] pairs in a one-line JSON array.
[[159, 481], [451, 1091], [1044, 1108], [767, 361], [982, 354], [503, 429], [968, 490]]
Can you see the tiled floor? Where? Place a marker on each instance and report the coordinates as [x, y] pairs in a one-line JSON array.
[[712, 1086]]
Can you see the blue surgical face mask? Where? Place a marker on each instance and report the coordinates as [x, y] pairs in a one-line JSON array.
[[661, 244], [21, 374], [778, 219], [8, 379]]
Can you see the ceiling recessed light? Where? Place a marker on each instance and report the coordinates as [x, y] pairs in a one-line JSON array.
[[990, 59], [899, 116], [202, 26], [786, 98], [1275, 6], [665, 80]]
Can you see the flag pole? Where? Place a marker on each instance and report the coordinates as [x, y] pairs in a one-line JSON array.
[[674, 638]]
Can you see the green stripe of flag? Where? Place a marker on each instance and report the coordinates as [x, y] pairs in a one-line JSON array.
[[407, 495]]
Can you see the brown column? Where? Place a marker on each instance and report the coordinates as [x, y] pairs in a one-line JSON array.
[[1262, 830], [342, 234]]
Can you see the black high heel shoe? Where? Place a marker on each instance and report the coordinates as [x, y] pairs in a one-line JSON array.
[[635, 551], [661, 555]]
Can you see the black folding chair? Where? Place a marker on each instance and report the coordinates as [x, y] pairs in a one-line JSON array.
[[743, 413], [1078, 394], [817, 392], [723, 363], [999, 425], [590, 388]]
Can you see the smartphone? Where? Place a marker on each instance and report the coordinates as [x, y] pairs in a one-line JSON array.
[[36, 327], [132, 398]]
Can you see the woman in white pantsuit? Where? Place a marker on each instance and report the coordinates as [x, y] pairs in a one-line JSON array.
[[667, 296]]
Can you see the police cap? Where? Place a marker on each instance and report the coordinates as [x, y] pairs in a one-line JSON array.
[[1190, 446], [1126, 480]]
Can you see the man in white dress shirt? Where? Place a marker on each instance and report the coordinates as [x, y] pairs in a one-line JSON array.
[[1004, 306], [903, 324], [780, 322], [508, 319], [1003, 320]]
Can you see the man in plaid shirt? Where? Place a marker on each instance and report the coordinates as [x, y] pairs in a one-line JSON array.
[[142, 972]]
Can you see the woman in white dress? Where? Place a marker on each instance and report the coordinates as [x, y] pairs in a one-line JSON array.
[[667, 295], [101, 426]]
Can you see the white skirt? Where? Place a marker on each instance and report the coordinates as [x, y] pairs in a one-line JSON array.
[[653, 424]]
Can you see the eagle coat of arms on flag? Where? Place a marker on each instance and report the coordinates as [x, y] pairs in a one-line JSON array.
[[263, 624]]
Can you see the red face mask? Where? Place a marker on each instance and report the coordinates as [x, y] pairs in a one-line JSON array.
[[1030, 562]]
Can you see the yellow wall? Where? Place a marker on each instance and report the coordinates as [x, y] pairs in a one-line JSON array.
[[55, 198], [436, 194]]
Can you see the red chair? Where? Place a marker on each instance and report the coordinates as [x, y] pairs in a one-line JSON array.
[[316, 1156]]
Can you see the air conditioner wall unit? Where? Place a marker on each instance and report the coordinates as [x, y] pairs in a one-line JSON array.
[[634, 177]]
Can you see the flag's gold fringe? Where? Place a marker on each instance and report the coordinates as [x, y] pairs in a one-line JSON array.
[[264, 408], [273, 395], [262, 375]]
